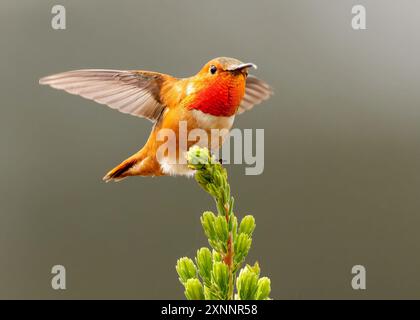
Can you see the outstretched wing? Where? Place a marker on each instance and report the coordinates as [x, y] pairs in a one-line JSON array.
[[256, 91], [133, 92]]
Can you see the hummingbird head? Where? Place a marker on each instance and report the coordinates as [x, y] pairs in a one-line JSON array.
[[219, 86], [227, 67]]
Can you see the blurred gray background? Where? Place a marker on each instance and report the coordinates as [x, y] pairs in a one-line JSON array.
[[342, 158]]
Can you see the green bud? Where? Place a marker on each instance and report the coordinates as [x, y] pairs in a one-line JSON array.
[[247, 225], [194, 290], [247, 284], [255, 268], [242, 246], [186, 269], [197, 157], [231, 202], [221, 278], [208, 221], [263, 289], [210, 174], [221, 228], [219, 179], [204, 263]]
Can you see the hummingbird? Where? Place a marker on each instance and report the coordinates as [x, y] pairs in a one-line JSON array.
[[208, 100]]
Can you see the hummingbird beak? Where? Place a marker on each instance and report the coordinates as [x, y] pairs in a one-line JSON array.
[[242, 66]]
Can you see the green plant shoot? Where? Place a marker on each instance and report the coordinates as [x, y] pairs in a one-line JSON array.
[[212, 276]]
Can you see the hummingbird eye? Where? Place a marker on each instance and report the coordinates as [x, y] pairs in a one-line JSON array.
[[213, 69]]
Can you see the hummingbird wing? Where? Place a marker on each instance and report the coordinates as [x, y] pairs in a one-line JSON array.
[[256, 91], [133, 92]]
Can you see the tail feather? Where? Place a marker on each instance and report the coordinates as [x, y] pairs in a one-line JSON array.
[[120, 171], [139, 164]]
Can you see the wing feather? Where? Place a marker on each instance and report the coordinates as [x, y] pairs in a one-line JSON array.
[[256, 91], [133, 92]]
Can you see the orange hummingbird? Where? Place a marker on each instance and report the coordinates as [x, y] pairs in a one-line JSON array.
[[208, 100]]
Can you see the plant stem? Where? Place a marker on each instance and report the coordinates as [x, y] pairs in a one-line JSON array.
[[228, 259]]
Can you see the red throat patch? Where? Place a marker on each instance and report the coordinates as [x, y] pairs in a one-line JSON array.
[[220, 98]]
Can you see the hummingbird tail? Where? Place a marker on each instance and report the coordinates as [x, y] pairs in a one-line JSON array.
[[139, 164]]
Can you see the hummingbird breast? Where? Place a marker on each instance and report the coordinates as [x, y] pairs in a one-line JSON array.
[[202, 129], [219, 98], [214, 128], [208, 121]]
